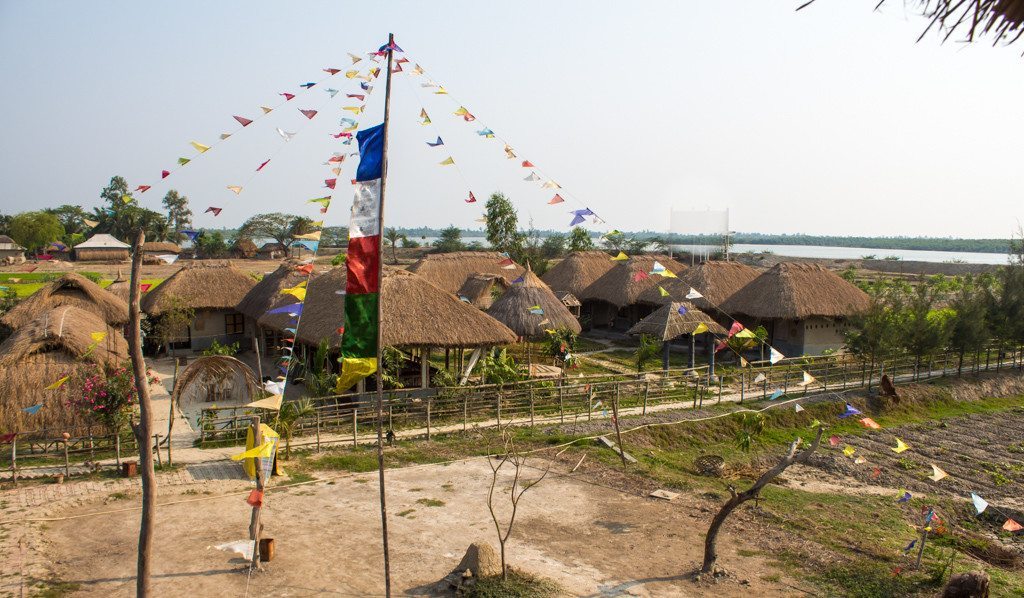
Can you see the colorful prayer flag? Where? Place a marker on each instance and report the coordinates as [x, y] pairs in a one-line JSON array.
[[580, 216], [436, 143], [700, 329], [237, 189], [797, 407], [774, 356], [1012, 526], [556, 199], [509, 152], [980, 504], [937, 474], [260, 167], [58, 383], [245, 122], [621, 257], [266, 109], [662, 292], [693, 294], [308, 113], [201, 148], [905, 497], [447, 161], [287, 96], [849, 451], [285, 134], [465, 114], [900, 446], [775, 395], [527, 164], [33, 409], [181, 161], [867, 422], [472, 198], [850, 410]]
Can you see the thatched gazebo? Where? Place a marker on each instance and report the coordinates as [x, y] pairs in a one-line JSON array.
[[716, 280], [217, 379], [58, 342], [513, 308], [577, 272], [213, 291], [619, 298], [449, 271], [804, 306], [675, 319], [416, 315], [481, 289], [267, 293], [72, 290], [102, 248]]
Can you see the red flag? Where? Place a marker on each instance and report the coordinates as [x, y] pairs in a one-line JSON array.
[[342, 134], [1012, 526], [165, 173], [338, 159], [142, 188], [357, 96], [305, 269], [401, 60], [308, 113], [216, 211], [8, 438], [332, 71], [397, 68], [556, 199], [721, 346], [877, 472], [506, 262], [329, 183], [255, 498], [527, 164], [472, 198], [44, 256], [867, 422], [287, 96], [144, 287], [262, 165], [736, 327], [245, 122], [354, 181], [833, 440], [340, 330]]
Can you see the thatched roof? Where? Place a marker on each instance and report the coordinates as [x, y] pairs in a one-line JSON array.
[[53, 345], [69, 290], [102, 241], [796, 291], [161, 247], [245, 248], [666, 323], [578, 271], [513, 308], [120, 288], [267, 292], [1004, 19], [477, 289], [201, 286], [218, 371], [416, 314], [450, 270], [716, 280], [620, 287]]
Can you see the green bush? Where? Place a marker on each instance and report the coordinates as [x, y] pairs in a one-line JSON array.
[[216, 348]]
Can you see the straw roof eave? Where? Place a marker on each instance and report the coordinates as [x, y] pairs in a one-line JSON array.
[[797, 291], [200, 286], [267, 292], [577, 271], [449, 271], [69, 290], [666, 323], [620, 286], [513, 309]]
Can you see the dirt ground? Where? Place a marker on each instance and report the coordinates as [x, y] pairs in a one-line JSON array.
[[590, 538]]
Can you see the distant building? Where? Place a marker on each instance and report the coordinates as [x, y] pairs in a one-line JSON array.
[[11, 252], [102, 248]]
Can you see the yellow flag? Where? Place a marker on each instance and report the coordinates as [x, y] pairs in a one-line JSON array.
[[745, 333], [849, 451], [237, 189], [448, 161], [263, 450], [701, 328], [900, 446], [937, 474], [199, 146], [667, 274], [424, 116], [351, 74], [441, 91], [313, 236], [662, 291], [317, 223], [98, 336], [354, 369], [128, 198], [225, 135], [621, 257], [352, 128], [353, 109], [272, 402], [461, 111], [90, 223], [58, 383], [298, 291], [417, 70], [266, 109]]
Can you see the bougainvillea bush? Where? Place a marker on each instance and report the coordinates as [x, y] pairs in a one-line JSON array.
[[109, 395]]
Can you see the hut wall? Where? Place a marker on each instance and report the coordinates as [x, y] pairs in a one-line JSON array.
[[12, 256], [813, 336], [600, 313], [226, 326], [101, 254]]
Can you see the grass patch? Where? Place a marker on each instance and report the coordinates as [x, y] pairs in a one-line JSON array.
[[430, 502], [54, 588], [298, 477], [119, 496], [865, 579], [517, 585], [406, 513]]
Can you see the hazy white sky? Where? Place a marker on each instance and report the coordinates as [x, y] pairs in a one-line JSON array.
[[831, 120]]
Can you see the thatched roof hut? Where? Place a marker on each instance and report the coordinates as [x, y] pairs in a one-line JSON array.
[[120, 288], [160, 248], [244, 248], [797, 291], [480, 289], [450, 270], [415, 314], [578, 271], [69, 290], [513, 308], [102, 247], [213, 286], [216, 378], [621, 286], [56, 343], [267, 292], [666, 323], [716, 280]]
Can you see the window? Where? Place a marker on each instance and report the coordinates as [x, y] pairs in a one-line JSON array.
[[234, 323]]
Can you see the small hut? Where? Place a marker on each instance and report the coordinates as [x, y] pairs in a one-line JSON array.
[[804, 306], [449, 271], [272, 251], [69, 290], [244, 249], [416, 315], [102, 248], [120, 287], [11, 252], [481, 289], [57, 342], [216, 379], [267, 293], [513, 309], [675, 319], [152, 249], [213, 291], [577, 272], [620, 298]]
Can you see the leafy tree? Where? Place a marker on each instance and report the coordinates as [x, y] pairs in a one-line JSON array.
[[616, 241], [553, 246], [409, 243], [172, 326], [391, 367], [969, 331], [5, 224], [393, 236], [498, 367], [72, 218], [318, 378], [530, 251], [36, 230], [924, 330], [334, 236], [1006, 318], [579, 240], [122, 214], [875, 333], [561, 344], [179, 216], [646, 351], [450, 240], [216, 348], [503, 225], [277, 226], [211, 244], [289, 415]]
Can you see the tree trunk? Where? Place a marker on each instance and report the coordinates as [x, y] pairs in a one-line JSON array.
[[960, 365], [504, 568], [144, 428]]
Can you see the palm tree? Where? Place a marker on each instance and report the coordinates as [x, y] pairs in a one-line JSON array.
[[290, 413], [393, 237]]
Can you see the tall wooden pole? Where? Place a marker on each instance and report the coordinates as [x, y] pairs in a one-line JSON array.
[[257, 509], [143, 430], [380, 319]]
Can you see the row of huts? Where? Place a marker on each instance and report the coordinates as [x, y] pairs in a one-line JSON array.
[[107, 248]]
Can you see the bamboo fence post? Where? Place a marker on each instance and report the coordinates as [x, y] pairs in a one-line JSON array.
[[318, 430], [117, 449], [531, 405], [497, 404], [561, 402], [743, 383], [14, 460], [465, 412], [355, 424], [429, 404], [170, 417], [826, 375], [615, 420], [156, 447], [647, 390], [254, 521], [67, 461], [92, 447], [590, 403]]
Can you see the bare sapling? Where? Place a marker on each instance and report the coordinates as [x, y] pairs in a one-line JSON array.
[[510, 456], [710, 549]]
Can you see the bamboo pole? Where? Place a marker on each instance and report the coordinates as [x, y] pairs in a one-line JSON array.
[[257, 509]]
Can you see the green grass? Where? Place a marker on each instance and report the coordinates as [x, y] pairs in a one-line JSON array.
[[517, 585], [430, 502], [53, 588]]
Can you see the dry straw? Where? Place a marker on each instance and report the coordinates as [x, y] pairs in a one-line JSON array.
[[513, 308], [71, 290], [796, 291], [450, 270], [200, 286]]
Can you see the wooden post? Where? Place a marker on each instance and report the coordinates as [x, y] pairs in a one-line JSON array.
[[145, 426], [826, 375], [92, 447], [318, 430], [693, 351], [647, 390], [117, 449], [429, 402], [615, 420], [590, 402], [465, 412], [561, 403], [67, 461], [531, 405], [156, 447], [170, 416], [497, 406], [425, 368], [254, 521], [355, 424], [14, 460]]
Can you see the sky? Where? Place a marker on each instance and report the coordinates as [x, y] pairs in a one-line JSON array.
[[833, 120]]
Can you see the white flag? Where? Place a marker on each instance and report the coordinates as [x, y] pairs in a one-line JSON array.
[[937, 474], [759, 378], [797, 407], [776, 357], [285, 134], [242, 547], [693, 294], [808, 379], [169, 258]]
